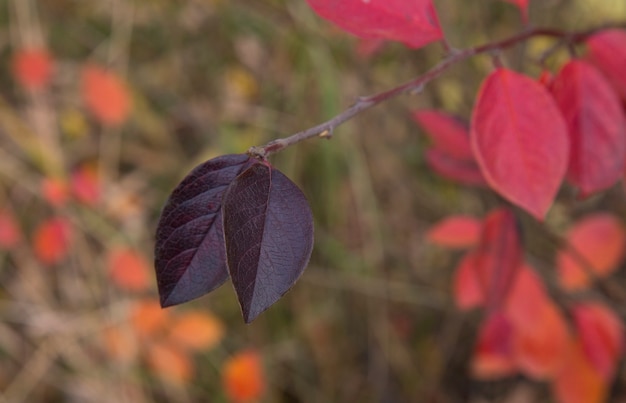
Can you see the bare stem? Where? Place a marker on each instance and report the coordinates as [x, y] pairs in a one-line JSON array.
[[327, 128]]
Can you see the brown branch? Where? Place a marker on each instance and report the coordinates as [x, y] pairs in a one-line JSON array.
[[363, 103]]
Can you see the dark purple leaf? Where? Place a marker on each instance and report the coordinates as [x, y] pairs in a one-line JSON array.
[[190, 257], [268, 227]]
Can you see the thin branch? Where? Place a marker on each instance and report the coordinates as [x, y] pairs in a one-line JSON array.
[[327, 128]]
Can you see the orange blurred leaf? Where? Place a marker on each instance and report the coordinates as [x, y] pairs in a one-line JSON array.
[[129, 269], [197, 331], [577, 381], [10, 233], [86, 184], [468, 293], [32, 68], [493, 354], [243, 377], [52, 240], [169, 363], [148, 318], [527, 299], [541, 344], [601, 333], [458, 231], [54, 191], [105, 94], [599, 239], [120, 344]]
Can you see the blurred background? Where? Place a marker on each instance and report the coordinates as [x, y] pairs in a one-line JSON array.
[[105, 105]]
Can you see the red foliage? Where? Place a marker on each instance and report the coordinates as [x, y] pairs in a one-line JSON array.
[[55, 191], [415, 23], [509, 122], [52, 240], [468, 293], [601, 335], [243, 377], [607, 50], [596, 125], [493, 354], [105, 94], [448, 133], [577, 381], [465, 172], [129, 269], [10, 233], [596, 241], [85, 184], [458, 231], [32, 68]]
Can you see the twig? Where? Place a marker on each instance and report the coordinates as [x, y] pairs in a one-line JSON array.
[[363, 103]]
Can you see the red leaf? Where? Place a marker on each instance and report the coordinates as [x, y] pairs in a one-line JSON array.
[[523, 6], [196, 331], [499, 256], [448, 133], [541, 344], [32, 68], [607, 50], [458, 231], [596, 124], [51, 240], [493, 354], [243, 377], [599, 240], [86, 184], [602, 336], [268, 228], [463, 171], [468, 293], [105, 94], [129, 269], [527, 299], [577, 381], [10, 233], [414, 23], [54, 191], [520, 140]]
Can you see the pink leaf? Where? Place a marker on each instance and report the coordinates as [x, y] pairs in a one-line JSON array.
[[597, 241], [520, 140], [493, 354], [448, 133], [596, 124], [465, 172], [607, 51], [455, 232], [415, 23], [602, 336], [499, 256], [468, 293]]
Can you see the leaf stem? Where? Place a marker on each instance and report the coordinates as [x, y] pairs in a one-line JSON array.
[[326, 129]]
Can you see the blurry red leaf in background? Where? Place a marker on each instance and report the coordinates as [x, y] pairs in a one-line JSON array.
[[243, 377], [448, 133], [196, 331], [458, 231], [607, 51], [498, 256], [32, 67], [120, 343], [105, 94], [468, 293], [527, 298], [511, 117], [10, 233], [540, 344], [169, 363], [577, 381], [148, 318], [129, 269], [601, 334], [493, 356], [415, 23], [85, 183], [55, 191], [465, 172], [596, 124], [597, 240], [52, 240]]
